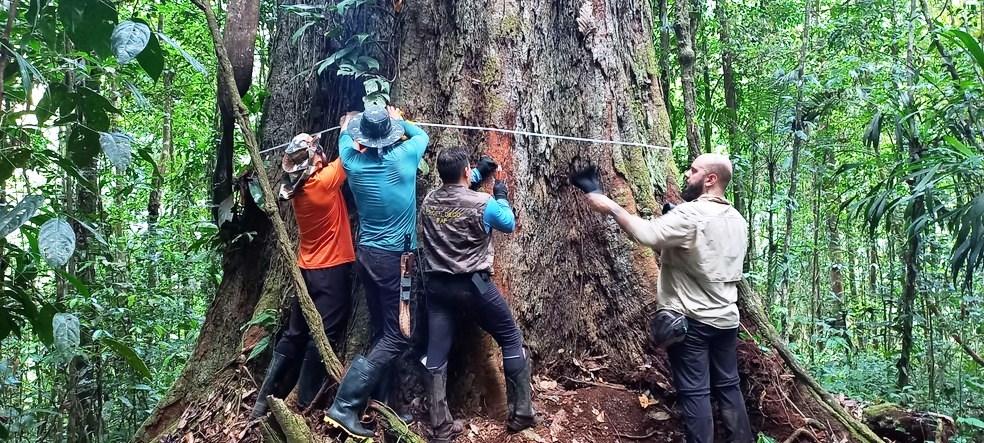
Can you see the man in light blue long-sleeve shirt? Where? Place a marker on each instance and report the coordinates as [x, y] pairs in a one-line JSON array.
[[381, 171]]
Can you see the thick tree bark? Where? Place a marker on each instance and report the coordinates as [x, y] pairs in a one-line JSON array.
[[687, 57], [593, 76]]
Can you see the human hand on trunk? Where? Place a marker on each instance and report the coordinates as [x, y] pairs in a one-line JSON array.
[[394, 112], [600, 203]]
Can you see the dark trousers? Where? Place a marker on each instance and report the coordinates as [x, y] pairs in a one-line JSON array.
[[331, 293], [379, 272], [706, 361], [450, 294]]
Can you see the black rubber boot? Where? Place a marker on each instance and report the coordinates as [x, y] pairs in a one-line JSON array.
[[280, 379], [444, 429], [353, 395], [312, 377], [519, 395]]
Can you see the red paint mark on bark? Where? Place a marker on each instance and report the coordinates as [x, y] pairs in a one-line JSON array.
[[500, 147]]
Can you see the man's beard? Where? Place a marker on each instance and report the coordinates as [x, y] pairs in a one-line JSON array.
[[692, 192]]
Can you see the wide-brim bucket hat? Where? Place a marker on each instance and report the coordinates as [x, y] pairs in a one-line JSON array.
[[374, 128]]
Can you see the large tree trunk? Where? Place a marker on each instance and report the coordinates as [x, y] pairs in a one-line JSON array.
[[579, 288]]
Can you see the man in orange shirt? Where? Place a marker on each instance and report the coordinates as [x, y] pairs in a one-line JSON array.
[[325, 257]]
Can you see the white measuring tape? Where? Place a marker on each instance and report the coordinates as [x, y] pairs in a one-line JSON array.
[[507, 131]]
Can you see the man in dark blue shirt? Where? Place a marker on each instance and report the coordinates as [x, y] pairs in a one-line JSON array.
[[381, 171], [457, 244]]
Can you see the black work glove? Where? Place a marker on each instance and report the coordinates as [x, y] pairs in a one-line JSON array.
[[586, 179], [667, 207], [500, 191], [486, 168]]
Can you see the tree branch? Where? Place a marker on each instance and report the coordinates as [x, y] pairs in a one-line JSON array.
[[973, 355]]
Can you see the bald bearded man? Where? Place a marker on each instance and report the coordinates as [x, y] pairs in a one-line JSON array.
[[702, 243]]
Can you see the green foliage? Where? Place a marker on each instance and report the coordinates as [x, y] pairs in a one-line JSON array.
[[74, 91], [358, 57]]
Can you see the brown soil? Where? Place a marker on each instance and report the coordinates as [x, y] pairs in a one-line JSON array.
[[583, 410]]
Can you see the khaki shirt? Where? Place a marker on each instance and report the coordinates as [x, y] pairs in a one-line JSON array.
[[703, 246]]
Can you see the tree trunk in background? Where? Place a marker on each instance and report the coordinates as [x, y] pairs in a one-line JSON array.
[[157, 183], [771, 166], [913, 248], [242, 19], [665, 75], [836, 318], [707, 91], [687, 57], [799, 133], [84, 414]]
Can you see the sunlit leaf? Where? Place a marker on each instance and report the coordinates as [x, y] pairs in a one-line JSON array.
[[13, 218], [57, 242], [128, 40], [117, 147], [128, 355], [66, 333]]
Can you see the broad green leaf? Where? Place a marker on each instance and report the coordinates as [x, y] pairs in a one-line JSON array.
[[77, 283], [25, 71], [89, 23], [55, 97], [42, 324], [57, 242], [971, 421], [13, 218], [128, 355], [128, 40], [12, 159], [300, 31], [117, 147], [66, 333], [151, 59], [259, 348], [970, 44]]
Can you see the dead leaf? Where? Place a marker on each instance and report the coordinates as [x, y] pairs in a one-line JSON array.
[[599, 415], [188, 438], [646, 400], [547, 385], [660, 416], [533, 436], [559, 419]]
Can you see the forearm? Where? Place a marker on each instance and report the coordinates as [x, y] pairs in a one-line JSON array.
[[637, 227]]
